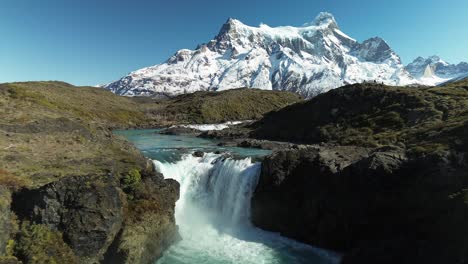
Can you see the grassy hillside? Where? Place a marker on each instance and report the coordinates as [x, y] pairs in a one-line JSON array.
[[48, 129], [216, 107], [51, 129], [57, 99], [423, 119]]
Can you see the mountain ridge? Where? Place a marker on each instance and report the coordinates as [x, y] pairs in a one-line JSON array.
[[435, 71], [309, 60]]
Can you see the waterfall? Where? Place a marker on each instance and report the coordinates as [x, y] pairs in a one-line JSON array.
[[213, 216], [214, 185]]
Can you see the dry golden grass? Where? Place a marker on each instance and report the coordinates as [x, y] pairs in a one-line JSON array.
[[11, 181]]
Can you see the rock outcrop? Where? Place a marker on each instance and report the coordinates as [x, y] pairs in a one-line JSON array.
[[88, 211], [102, 223], [378, 206], [149, 228]]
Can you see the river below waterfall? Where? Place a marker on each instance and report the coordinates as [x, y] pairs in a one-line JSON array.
[[214, 206]]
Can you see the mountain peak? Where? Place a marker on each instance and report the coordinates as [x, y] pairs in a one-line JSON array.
[[230, 26], [437, 59], [228, 30], [434, 59], [233, 22], [324, 19], [376, 50]]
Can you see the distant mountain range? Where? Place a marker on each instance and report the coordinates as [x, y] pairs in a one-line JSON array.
[[433, 70], [308, 60]]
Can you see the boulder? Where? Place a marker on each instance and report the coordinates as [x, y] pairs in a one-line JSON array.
[[198, 154]]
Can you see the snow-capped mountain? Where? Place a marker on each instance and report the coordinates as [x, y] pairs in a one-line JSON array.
[[308, 60], [434, 70]]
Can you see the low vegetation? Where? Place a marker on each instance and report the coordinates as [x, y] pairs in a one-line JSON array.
[[218, 107], [38, 244], [52, 129], [421, 119], [58, 99]]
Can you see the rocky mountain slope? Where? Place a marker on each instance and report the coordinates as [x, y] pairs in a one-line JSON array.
[[434, 70], [307, 60]]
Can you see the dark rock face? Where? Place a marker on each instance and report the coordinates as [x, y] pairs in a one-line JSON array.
[[89, 212], [374, 50], [378, 206], [292, 199]]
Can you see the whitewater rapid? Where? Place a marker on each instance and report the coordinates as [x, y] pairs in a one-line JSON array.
[[213, 216]]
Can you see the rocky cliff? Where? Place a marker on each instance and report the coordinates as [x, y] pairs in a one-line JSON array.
[[375, 206], [385, 182]]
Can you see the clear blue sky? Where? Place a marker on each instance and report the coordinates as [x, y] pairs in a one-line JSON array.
[[89, 42]]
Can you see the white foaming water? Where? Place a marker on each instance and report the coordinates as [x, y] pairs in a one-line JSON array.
[[213, 216], [208, 127]]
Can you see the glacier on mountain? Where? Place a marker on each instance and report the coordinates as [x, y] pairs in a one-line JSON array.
[[308, 60]]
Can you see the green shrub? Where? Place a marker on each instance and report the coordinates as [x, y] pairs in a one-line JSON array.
[[131, 181], [38, 244]]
